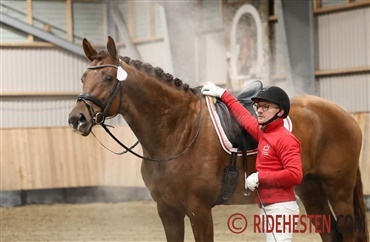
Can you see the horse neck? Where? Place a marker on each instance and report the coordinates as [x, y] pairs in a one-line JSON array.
[[161, 116]]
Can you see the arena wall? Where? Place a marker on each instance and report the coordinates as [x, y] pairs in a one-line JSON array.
[[44, 158]]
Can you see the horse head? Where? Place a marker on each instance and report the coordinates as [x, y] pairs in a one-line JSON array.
[[102, 90], [151, 101]]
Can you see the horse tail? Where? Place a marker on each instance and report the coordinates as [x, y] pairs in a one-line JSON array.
[[359, 209]]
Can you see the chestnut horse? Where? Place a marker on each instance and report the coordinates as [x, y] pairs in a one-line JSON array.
[[172, 123]]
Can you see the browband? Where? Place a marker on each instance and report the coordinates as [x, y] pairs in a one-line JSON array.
[[101, 66]]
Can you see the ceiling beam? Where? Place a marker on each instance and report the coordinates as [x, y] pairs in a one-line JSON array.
[[29, 29]]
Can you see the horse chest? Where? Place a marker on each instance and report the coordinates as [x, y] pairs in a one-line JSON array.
[[167, 191], [165, 183]]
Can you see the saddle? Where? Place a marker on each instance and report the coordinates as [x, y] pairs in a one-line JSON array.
[[237, 135]]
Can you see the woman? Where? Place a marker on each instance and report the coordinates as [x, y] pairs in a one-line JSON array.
[[278, 161]]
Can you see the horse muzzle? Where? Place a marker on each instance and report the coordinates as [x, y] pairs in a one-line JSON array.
[[79, 123]]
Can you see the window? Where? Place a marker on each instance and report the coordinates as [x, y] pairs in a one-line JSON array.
[[143, 18], [89, 21], [210, 15], [50, 16], [55, 17], [327, 3], [17, 10], [322, 6]]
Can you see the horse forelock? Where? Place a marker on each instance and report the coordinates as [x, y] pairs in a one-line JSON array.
[[102, 55]]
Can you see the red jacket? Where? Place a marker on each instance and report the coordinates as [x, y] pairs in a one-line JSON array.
[[278, 158]]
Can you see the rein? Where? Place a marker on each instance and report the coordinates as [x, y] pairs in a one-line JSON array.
[[105, 108], [160, 160]]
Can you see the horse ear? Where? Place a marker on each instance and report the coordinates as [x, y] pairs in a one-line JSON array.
[[90, 52], [111, 47]]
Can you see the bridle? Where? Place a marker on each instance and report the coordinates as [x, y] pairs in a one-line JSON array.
[[100, 117]]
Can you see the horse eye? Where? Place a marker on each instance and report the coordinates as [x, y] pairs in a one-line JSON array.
[[109, 78]]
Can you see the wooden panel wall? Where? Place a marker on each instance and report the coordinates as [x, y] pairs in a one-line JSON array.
[[39, 158], [363, 120]]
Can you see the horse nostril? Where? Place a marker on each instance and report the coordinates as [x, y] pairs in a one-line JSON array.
[[81, 118], [76, 120], [73, 122]]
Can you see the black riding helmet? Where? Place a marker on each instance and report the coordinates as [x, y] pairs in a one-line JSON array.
[[275, 95]]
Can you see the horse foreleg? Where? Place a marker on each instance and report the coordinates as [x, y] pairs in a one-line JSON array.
[[201, 222], [173, 222]]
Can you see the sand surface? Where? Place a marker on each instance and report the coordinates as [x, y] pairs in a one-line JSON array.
[[128, 221]]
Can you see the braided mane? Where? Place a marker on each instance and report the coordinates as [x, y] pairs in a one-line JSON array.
[[154, 71], [158, 73]]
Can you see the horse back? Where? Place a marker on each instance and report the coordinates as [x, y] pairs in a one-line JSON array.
[[329, 135]]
